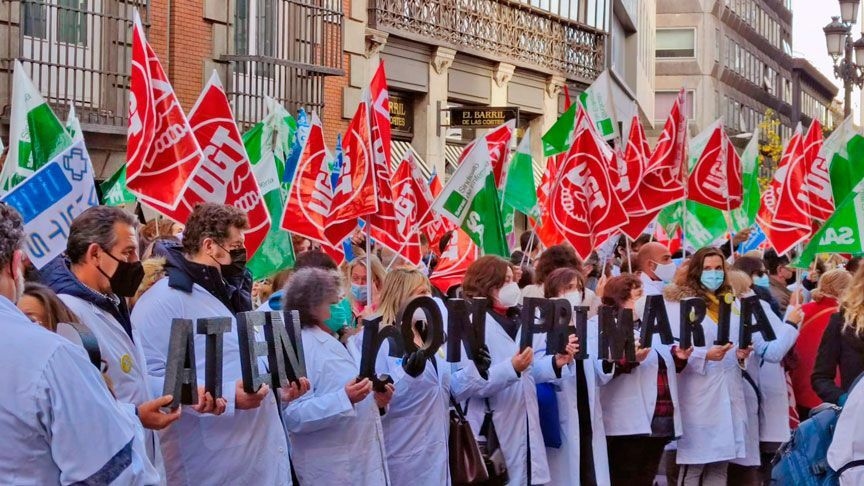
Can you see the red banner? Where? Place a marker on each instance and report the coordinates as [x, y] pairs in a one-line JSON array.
[[716, 177], [162, 152], [225, 177]]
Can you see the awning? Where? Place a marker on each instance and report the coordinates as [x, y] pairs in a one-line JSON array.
[[451, 156], [397, 152]]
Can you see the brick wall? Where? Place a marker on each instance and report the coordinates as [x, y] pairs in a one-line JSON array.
[[331, 117]]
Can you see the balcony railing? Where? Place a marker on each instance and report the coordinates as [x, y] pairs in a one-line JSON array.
[[77, 52], [504, 30], [283, 49]]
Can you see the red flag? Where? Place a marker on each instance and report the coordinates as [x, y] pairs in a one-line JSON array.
[[307, 210], [789, 179], [225, 177], [815, 196], [460, 253], [584, 206], [355, 194], [407, 206], [545, 228], [635, 163], [335, 252], [663, 183], [162, 152], [498, 141], [783, 235], [716, 177]]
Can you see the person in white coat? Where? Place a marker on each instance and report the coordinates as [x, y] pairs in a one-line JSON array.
[[59, 423], [710, 389], [247, 442], [641, 410], [582, 458], [100, 270], [417, 421], [510, 392], [846, 453], [553, 258], [335, 429]]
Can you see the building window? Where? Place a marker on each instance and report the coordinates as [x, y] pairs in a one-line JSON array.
[[665, 100], [676, 43], [68, 17]]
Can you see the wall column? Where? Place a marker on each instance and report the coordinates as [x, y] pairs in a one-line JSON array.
[[429, 140]]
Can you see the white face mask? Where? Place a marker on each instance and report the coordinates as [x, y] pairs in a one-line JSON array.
[[509, 295], [575, 298], [666, 271]]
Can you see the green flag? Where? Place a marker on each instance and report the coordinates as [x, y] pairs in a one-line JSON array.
[[114, 192], [268, 144], [35, 134], [598, 103], [842, 233], [519, 191], [844, 151], [470, 200], [73, 125], [560, 136], [745, 216]]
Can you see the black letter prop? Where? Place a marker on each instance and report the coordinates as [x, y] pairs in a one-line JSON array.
[[616, 334], [559, 326], [751, 309], [581, 320], [725, 320], [373, 337], [534, 309], [691, 316], [466, 323], [213, 328], [250, 350], [284, 348], [181, 379], [432, 334], [656, 321]]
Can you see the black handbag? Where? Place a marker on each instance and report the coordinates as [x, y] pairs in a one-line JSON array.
[[466, 463], [490, 448]]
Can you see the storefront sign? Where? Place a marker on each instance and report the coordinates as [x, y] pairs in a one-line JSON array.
[[401, 113], [481, 117]]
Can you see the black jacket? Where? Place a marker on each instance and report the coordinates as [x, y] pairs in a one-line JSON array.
[[840, 349]]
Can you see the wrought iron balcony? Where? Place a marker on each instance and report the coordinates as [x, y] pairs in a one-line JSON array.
[[505, 30], [76, 51]]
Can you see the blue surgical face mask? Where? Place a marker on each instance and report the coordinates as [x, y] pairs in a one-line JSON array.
[[359, 292], [762, 281], [712, 279]]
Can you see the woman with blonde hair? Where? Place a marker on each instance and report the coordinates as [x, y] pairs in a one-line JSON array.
[[356, 276], [416, 424], [815, 317], [842, 346]]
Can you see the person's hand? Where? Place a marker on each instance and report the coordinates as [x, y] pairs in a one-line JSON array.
[[743, 354], [358, 390], [682, 354], [741, 237], [293, 392], [795, 316], [601, 286], [247, 401], [382, 399], [562, 360], [414, 364], [523, 360], [642, 354], [717, 353], [797, 296], [482, 358], [153, 418], [206, 403]]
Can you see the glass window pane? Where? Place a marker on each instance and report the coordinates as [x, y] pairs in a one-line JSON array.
[[35, 20], [676, 42]]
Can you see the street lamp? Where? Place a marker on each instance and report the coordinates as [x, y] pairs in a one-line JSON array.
[[838, 38]]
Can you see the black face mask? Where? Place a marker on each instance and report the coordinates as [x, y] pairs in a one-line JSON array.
[[127, 278], [238, 263]]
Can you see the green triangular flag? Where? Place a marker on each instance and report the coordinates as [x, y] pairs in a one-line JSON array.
[[560, 136], [519, 191], [844, 150], [36, 136], [842, 233], [114, 191], [268, 144], [745, 216]]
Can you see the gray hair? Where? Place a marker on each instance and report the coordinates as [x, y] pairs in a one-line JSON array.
[[95, 225], [11, 233], [308, 289]]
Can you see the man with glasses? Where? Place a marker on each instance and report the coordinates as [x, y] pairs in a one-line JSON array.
[[206, 277]]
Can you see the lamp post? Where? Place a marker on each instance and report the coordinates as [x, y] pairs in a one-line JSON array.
[[838, 36]]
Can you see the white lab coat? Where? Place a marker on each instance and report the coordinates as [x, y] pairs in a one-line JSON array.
[[765, 353], [564, 467], [774, 419], [334, 441], [513, 400], [59, 423], [248, 445], [848, 442], [711, 393], [127, 367]]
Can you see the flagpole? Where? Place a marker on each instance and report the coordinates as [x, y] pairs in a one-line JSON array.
[[369, 265], [530, 243], [627, 249], [724, 152]]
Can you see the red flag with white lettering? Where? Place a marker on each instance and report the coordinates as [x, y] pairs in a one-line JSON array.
[[584, 206], [307, 210], [716, 177], [408, 201], [636, 157], [545, 228], [782, 234], [162, 152], [226, 176], [664, 180], [460, 253], [815, 195]]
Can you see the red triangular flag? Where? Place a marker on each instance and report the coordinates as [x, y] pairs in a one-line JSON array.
[[664, 181], [408, 202], [460, 253], [162, 152], [716, 177], [815, 194], [783, 235], [545, 228], [226, 176], [635, 159]]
